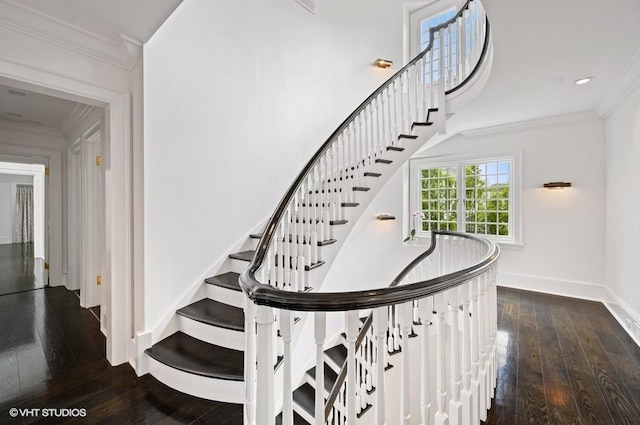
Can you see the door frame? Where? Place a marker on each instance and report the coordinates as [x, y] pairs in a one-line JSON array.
[[117, 303]]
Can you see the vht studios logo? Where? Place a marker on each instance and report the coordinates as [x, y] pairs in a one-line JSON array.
[[47, 413]]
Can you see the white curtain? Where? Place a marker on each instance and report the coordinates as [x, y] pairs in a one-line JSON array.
[[24, 213]]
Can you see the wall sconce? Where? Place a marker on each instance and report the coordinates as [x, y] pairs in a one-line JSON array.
[[556, 185], [382, 63], [385, 217]]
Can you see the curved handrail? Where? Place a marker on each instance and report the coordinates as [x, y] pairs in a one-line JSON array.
[[263, 294], [434, 286]]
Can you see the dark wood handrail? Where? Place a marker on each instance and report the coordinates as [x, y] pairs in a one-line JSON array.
[[262, 294], [481, 266]]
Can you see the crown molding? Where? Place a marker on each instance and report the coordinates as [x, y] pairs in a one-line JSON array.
[[532, 124], [122, 53], [627, 81]]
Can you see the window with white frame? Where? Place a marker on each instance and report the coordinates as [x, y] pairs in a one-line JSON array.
[[472, 195]]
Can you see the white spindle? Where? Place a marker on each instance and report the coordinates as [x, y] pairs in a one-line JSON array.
[[466, 394], [441, 417], [250, 362], [320, 332], [425, 307], [455, 407], [265, 362], [351, 319], [286, 330], [404, 312]]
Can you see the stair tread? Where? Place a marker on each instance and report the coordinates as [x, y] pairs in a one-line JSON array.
[[383, 161], [305, 397], [395, 148], [350, 204], [255, 235], [297, 419], [361, 188], [421, 124], [314, 266], [191, 355], [215, 313], [338, 222], [227, 280], [327, 242], [243, 255], [330, 376], [407, 136], [372, 174], [338, 354]]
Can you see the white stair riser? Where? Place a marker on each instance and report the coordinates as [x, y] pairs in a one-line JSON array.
[[212, 334], [197, 385], [226, 296]]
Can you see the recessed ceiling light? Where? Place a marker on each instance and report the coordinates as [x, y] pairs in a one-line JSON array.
[[583, 80]]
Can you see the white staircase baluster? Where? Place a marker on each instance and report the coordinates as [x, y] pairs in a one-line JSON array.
[[351, 319], [286, 330], [482, 345], [441, 417], [455, 407], [425, 307], [265, 389], [404, 312], [475, 350], [320, 333], [466, 396], [250, 362]]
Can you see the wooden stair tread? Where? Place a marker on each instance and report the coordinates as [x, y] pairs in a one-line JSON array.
[[383, 161], [297, 419], [215, 313], [350, 204], [314, 266], [338, 222], [337, 353], [361, 189], [243, 255], [305, 397], [330, 376], [255, 235], [395, 148], [421, 124], [327, 242], [372, 174], [191, 355], [227, 280], [407, 136]]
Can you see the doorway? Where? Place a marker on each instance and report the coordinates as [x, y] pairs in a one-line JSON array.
[[22, 234]]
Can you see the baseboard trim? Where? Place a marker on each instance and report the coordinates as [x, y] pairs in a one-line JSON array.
[[554, 286], [625, 315]]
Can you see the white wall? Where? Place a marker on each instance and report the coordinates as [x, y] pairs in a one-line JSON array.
[[238, 95], [623, 203], [563, 230], [8, 205]]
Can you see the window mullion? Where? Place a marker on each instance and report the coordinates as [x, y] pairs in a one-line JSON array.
[[462, 210]]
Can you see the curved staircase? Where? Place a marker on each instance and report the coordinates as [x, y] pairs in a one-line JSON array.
[[205, 354]]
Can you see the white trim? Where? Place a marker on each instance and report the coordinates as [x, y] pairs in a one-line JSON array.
[[216, 335], [628, 318], [123, 53], [529, 124], [5, 240], [553, 285], [116, 311], [627, 81], [515, 184]]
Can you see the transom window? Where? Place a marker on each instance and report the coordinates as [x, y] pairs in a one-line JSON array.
[[469, 195]]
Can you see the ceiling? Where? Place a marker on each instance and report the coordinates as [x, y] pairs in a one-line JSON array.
[[139, 19], [540, 48], [31, 108]]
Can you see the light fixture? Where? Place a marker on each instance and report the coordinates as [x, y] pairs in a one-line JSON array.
[[581, 81], [557, 185], [385, 216], [382, 63]]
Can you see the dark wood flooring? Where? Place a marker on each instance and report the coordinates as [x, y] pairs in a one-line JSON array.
[[17, 268], [52, 356], [563, 361]]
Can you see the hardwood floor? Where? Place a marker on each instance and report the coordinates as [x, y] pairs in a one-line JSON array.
[[563, 361], [17, 268], [52, 356]]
